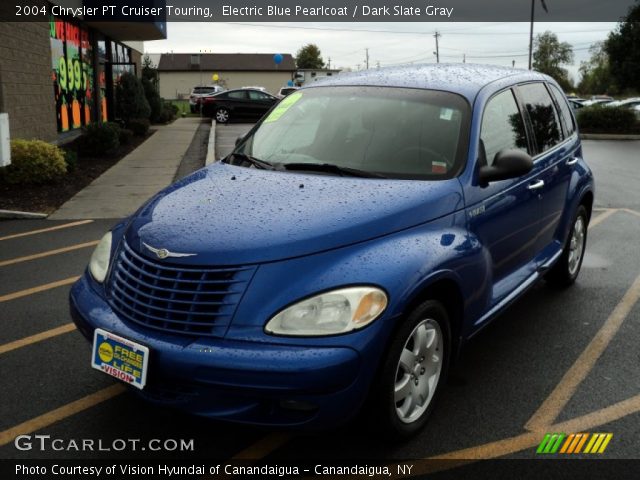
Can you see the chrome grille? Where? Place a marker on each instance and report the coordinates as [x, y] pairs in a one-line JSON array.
[[175, 298]]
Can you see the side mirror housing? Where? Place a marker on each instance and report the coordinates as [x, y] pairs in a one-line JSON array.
[[506, 164]]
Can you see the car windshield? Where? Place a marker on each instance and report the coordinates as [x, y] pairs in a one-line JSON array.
[[391, 132]]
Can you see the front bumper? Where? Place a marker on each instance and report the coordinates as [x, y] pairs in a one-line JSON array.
[[247, 382]]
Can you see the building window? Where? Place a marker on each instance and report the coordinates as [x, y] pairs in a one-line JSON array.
[[72, 60]]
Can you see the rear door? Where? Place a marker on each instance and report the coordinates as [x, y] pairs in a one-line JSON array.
[[556, 146], [238, 103]]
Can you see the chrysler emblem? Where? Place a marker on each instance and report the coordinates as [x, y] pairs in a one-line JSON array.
[[163, 253]]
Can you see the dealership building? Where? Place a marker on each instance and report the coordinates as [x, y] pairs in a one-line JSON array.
[[58, 76]]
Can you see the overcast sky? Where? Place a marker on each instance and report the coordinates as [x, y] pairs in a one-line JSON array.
[[388, 43]]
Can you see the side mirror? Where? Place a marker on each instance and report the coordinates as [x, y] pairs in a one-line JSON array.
[[506, 164], [239, 140]]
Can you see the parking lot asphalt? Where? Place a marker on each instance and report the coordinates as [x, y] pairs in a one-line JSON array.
[[554, 362]]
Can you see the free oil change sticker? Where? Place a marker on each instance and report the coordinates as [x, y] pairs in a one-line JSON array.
[[119, 357], [283, 106]]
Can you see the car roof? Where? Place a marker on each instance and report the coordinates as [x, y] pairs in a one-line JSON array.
[[466, 79]]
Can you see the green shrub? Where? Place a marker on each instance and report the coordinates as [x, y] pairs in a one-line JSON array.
[[603, 119], [139, 126], [71, 160], [35, 162], [126, 136], [153, 97], [100, 139], [168, 113], [131, 101]]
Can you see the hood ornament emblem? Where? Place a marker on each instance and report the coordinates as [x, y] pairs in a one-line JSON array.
[[163, 253]]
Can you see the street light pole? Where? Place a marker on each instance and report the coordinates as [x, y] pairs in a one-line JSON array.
[[533, 11]]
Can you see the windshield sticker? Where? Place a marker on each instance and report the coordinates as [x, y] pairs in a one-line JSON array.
[[283, 106], [446, 114], [438, 167]]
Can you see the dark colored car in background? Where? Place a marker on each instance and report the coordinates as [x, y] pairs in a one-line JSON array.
[[248, 103]]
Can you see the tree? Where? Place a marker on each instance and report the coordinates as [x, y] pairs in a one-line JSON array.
[[149, 71], [623, 48], [309, 57], [131, 102], [595, 73], [549, 55]]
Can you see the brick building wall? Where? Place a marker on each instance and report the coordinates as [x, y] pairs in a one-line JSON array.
[[26, 89]]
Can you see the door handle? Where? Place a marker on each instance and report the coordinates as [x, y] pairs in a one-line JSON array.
[[572, 161], [536, 185]]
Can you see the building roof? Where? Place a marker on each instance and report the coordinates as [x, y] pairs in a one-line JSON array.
[[221, 62], [464, 78]]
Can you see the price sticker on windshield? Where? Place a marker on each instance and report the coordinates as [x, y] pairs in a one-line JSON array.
[[283, 106]]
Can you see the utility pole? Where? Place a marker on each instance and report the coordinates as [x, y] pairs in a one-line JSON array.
[[533, 12], [464, 58], [366, 58], [329, 63], [437, 35]]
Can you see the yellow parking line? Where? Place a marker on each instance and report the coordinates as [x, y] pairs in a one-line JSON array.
[[263, 447], [48, 253], [38, 289], [38, 337], [602, 217], [43, 230], [61, 413], [555, 402], [521, 442], [632, 212]]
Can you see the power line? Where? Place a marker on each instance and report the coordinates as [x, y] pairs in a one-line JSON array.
[[401, 32]]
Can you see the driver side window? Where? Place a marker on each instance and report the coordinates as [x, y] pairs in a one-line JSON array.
[[502, 126]]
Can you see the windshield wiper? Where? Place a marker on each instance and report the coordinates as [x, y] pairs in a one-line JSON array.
[[331, 168], [256, 162]]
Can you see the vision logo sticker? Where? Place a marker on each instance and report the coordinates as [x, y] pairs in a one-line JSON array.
[[574, 443]]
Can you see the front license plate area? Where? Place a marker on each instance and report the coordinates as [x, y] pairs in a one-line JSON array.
[[120, 357]]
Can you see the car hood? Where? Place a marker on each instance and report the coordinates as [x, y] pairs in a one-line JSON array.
[[229, 215]]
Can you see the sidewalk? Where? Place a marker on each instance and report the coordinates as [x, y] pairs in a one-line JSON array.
[[124, 187]]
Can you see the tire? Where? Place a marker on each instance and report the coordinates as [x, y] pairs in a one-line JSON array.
[[410, 373], [566, 270], [222, 115]]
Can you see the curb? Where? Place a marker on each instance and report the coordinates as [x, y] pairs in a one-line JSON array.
[[211, 145], [609, 136], [17, 214]]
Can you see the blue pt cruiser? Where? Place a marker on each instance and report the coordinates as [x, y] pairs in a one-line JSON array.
[[340, 257]]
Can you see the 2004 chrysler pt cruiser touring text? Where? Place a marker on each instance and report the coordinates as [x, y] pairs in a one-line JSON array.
[[340, 257]]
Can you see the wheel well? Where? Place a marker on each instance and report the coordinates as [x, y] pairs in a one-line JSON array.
[[587, 201], [448, 293]]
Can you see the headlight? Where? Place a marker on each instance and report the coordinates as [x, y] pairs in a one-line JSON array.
[[337, 311], [99, 263]]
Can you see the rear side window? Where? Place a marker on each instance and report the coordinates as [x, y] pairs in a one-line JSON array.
[[543, 115], [565, 111], [237, 95], [502, 126]]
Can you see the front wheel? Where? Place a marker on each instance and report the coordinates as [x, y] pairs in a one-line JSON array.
[[565, 272], [222, 115], [413, 372]]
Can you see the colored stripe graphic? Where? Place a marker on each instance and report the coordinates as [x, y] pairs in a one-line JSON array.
[[573, 443], [598, 443], [550, 443]]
